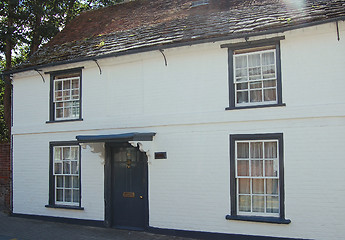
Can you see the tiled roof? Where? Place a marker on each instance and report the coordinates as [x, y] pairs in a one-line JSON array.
[[146, 24]]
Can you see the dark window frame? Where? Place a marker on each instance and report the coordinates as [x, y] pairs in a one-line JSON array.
[[51, 203], [54, 74], [233, 189], [247, 45]]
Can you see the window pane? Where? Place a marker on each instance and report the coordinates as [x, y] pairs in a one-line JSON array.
[[257, 168], [68, 104], [270, 149], [75, 83], [258, 186], [254, 60], [59, 181], [66, 84], [242, 150], [268, 72], [254, 85], [244, 203], [75, 112], [270, 83], [243, 168], [242, 74], [67, 112], [242, 97], [272, 205], [58, 85], [256, 96], [74, 153], [75, 104], [59, 195], [268, 58], [58, 168], [270, 95], [75, 94], [75, 182], [254, 73], [76, 196], [66, 167], [68, 195], [58, 96], [241, 61], [68, 182], [59, 113], [59, 105], [272, 186], [66, 153], [256, 150], [66, 95], [242, 86], [258, 204], [271, 168], [74, 167], [57, 153], [244, 186]]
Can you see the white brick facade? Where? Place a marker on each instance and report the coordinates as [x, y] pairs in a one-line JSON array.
[[184, 103]]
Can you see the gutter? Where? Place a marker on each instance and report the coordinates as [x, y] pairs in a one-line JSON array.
[[174, 45]]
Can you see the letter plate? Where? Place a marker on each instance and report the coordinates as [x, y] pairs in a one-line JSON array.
[[128, 194]]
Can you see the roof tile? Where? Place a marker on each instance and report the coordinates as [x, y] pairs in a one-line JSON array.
[[144, 23]]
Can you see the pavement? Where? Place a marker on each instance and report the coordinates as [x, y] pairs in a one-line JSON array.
[[16, 228]]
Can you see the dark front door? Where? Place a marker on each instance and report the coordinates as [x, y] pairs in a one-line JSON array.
[[129, 187]]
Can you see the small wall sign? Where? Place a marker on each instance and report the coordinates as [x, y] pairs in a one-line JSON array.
[[160, 155]]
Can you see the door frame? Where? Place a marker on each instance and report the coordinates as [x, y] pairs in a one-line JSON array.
[[108, 208]]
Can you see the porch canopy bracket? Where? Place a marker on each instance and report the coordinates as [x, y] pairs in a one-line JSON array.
[[141, 140]]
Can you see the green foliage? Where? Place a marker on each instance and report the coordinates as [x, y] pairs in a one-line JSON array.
[[26, 24], [4, 136], [37, 21], [10, 9], [93, 4]]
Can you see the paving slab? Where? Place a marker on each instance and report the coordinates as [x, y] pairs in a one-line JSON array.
[[16, 228]]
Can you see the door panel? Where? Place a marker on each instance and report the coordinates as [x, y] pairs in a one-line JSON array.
[[129, 187]]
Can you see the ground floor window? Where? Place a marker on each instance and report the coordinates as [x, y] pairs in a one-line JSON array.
[[257, 177], [65, 174]]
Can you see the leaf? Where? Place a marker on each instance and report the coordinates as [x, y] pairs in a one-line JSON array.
[[101, 44]]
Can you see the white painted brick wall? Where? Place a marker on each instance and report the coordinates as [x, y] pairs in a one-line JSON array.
[[184, 103], [31, 178]]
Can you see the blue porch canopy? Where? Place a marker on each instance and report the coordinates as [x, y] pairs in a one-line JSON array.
[[123, 137]]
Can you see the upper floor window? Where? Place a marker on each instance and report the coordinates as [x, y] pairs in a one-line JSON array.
[[65, 95], [254, 75]]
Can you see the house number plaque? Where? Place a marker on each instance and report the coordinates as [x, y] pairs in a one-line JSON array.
[[128, 194]]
